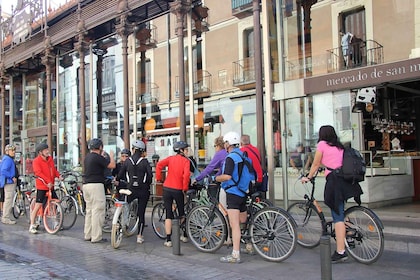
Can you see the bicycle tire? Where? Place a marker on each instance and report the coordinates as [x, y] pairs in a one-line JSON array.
[[133, 219], [81, 203], [69, 206], [273, 234], [53, 217], [109, 214], [20, 205], [309, 224], [206, 228], [158, 220], [265, 202], [116, 231], [367, 234]]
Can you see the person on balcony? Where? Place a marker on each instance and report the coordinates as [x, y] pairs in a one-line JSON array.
[[346, 40]]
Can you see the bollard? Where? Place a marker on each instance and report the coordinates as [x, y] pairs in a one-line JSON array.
[[176, 243], [326, 273]]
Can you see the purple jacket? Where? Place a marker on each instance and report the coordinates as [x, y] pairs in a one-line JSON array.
[[215, 163]]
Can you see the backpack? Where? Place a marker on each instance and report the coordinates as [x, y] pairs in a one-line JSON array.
[[246, 173], [134, 179], [354, 167], [263, 187]]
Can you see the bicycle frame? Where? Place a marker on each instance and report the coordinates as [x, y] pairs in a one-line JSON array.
[[46, 210]]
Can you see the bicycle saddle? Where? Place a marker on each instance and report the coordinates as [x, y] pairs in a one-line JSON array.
[[125, 191]]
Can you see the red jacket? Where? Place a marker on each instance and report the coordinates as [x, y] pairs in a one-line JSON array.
[[45, 170], [255, 156], [178, 172]]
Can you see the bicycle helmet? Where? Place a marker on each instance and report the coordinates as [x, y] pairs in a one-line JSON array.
[[180, 145], [232, 138], [139, 145], [95, 144], [9, 147], [125, 152], [40, 147]]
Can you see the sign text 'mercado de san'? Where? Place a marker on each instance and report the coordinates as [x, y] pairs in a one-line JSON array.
[[364, 76]]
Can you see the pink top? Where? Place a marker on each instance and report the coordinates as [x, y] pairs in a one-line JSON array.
[[332, 157]]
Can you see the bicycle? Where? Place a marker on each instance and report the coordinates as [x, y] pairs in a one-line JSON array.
[[270, 231], [68, 204], [73, 185], [50, 213], [125, 221], [110, 200], [21, 200], [364, 230]]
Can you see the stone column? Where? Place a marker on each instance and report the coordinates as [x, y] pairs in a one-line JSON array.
[[124, 30], [48, 60], [81, 47], [180, 8]]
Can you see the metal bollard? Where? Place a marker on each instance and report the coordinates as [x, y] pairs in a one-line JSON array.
[[176, 243], [326, 272]]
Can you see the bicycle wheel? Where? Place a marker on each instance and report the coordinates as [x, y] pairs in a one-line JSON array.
[[273, 234], [206, 228], [158, 220], [365, 238], [133, 219], [116, 231], [109, 214], [53, 217], [81, 203], [308, 222], [68, 204], [20, 205], [264, 202]]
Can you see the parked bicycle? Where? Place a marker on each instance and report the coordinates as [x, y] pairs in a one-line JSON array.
[[270, 231], [68, 204], [364, 230], [125, 221], [73, 182], [21, 199], [50, 214], [109, 210]]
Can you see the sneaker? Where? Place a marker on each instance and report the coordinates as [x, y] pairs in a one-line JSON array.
[[248, 249], [336, 257], [32, 229], [140, 239], [184, 239], [8, 221], [230, 259], [167, 244]]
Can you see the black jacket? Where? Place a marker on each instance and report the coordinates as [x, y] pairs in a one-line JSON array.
[[139, 173]]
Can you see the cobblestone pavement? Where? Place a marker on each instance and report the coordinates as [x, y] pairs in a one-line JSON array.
[[67, 256]]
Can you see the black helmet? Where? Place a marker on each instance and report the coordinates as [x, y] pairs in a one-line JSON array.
[[40, 147], [126, 152], [180, 145], [139, 145], [95, 144]]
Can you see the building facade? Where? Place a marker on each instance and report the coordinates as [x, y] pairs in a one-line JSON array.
[[169, 70]]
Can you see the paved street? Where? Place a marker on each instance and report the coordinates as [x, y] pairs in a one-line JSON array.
[[67, 256]]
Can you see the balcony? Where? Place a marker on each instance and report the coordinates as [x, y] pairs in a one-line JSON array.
[[363, 53], [146, 38], [149, 94], [241, 8], [244, 73], [202, 85]]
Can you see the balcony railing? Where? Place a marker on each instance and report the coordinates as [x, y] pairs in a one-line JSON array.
[[244, 73], [146, 37], [202, 85], [362, 53], [241, 7]]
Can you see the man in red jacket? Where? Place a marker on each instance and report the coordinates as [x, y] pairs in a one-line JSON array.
[[255, 157], [45, 173], [176, 183]]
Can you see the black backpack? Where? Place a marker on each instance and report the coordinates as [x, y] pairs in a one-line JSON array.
[[354, 167]]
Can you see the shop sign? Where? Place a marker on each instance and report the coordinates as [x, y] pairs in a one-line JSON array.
[[364, 77]]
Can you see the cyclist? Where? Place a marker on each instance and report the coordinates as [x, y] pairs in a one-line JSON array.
[[329, 152], [176, 183], [139, 176], [122, 182], [235, 198], [8, 181], [45, 173], [94, 191]]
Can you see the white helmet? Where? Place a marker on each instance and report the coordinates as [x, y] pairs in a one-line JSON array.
[[138, 144], [232, 138]]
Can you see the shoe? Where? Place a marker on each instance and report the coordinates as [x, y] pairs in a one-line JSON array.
[[32, 229], [140, 239], [184, 239], [230, 259], [167, 244], [336, 257], [103, 240], [248, 249], [86, 239], [8, 221]]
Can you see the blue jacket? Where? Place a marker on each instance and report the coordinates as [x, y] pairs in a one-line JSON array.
[[7, 171]]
